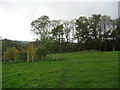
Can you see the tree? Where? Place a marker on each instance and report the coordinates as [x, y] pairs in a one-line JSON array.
[[41, 53], [41, 28], [82, 32], [31, 49], [10, 54], [31, 52], [67, 29], [55, 24], [115, 34], [60, 32], [106, 28], [22, 55], [5, 56], [118, 33], [57, 30], [95, 30]]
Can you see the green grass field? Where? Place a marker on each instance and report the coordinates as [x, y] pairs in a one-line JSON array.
[[77, 70]]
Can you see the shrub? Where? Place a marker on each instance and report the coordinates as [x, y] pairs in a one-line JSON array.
[[22, 56], [10, 54], [41, 53]]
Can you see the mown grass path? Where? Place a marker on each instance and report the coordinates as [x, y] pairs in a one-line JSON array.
[[77, 70], [64, 75]]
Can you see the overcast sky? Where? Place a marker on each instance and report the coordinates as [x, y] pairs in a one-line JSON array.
[[17, 15]]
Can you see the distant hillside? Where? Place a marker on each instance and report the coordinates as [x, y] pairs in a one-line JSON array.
[[6, 43]]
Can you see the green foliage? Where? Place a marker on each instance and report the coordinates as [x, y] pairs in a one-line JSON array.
[[101, 30], [98, 32], [22, 56], [78, 70], [41, 27], [10, 54], [6, 43], [41, 53]]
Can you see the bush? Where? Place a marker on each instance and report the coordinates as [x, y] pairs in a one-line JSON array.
[[10, 54], [41, 53], [22, 56]]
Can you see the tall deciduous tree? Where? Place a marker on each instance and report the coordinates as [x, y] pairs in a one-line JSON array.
[[41, 28], [82, 32], [67, 30], [106, 28], [94, 28], [118, 33], [55, 24]]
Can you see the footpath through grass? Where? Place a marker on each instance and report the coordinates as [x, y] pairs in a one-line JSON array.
[[77, 70]]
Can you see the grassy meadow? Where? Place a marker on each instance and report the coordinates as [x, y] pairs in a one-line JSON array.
[[77, 70]]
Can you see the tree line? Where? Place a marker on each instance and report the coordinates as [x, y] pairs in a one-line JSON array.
[[96, 33]]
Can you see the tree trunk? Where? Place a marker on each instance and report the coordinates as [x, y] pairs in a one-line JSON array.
[[62, 38], [67, 38], [113, 47], [53, 56], [27, 57], [42, 58], [15, 60], [32, 58], [59, 38], [78, 44], [57, 57]]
